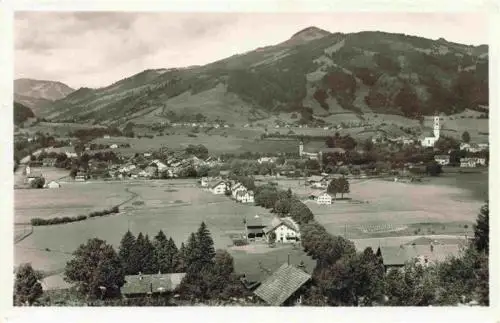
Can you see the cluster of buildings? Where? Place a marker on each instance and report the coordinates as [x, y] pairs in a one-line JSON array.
[[237, 190]]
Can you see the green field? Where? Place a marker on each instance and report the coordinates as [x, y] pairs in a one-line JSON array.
[[177, 207]]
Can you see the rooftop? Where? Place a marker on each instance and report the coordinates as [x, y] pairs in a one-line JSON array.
[[143, 284], [282, 284]]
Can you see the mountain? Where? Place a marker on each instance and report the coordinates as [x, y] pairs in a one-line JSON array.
[[22, 113], [37, 94], [315, 72]]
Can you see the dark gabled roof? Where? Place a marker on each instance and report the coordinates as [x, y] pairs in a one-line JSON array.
[[143, 284], [287, 221], [254, 222], [398, 256], [282, 284]]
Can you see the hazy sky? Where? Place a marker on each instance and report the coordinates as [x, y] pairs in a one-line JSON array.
[[96, 49]]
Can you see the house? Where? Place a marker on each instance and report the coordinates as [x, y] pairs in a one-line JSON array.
[[286, 230], [284, 287], [53, 184], [113, 146], [147, 154], [219, 188], [472, 162], [80, 177], [254, 228], [32, 175], [324, 199], [318, 154], [238, 187], [161, 166], [425, 252], [49, 162], [464, 146], [442, 160], [245, 196], [142, 285], [266, 160]]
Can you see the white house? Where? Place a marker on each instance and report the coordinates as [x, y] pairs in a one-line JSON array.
[[286, 229], [106, 136], [238, 187], [266, 160], [245, 196], [472, 162], [442, 160], [71, 154], [161, 166], [113, 146], [53, 184], [204, 182], [219, 188], [324, 199]]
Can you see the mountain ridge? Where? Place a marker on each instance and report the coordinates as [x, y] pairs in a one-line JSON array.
[[315, 72]]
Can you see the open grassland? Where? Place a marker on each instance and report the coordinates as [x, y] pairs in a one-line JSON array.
[[216, 144], [378, 208], [71, 199], [176, 207]]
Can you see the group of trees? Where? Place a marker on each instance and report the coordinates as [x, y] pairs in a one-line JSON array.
[[337, 141], [338, 185], [67, 219], [199, 151], [141, 255]]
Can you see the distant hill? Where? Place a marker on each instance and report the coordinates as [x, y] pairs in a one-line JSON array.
[[22, 113], [37, 94], [314, 72]]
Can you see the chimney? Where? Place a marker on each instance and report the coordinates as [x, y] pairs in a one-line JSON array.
[[288, 259]]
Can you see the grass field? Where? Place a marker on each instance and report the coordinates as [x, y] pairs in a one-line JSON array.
[[381, 208], [176, 207]]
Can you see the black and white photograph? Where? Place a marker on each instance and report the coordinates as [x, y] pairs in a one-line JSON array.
[[250, 159]]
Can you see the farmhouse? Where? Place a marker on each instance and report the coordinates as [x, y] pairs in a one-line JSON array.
[[142, 285], [284, 287], [473, 148], [254, 229], [442, 160], [266, 160], [32, 175], [49, 162], [472, 162], [219, 188], [113, 146], [324, 199], [204, 182], [425, 252], [80, 177], [245, 196], [53, 184], [238, 187], [286, 230], [318, 153]]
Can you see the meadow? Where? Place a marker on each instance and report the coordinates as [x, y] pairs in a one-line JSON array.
[[176, 207]]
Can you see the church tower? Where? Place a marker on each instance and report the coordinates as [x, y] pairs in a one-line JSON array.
[[301, 148], [436, 127]]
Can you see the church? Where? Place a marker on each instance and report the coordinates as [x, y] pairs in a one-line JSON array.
[[430, 141]]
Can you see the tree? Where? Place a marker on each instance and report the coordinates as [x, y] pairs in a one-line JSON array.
[[145, 253], [482, 229], [466, 137], [343, 186], [282, 206], [191, 251], [333, 187], [127, 254], [96, 265], [205, 244], [415, 285], [272, 238], [181, 263], [161, 253], [38, 182], [27, 287], [433, 169]]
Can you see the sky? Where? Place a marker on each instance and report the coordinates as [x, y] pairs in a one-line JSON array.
[[95, 49]]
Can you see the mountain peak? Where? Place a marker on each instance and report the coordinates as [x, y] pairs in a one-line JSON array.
[[310, 33]]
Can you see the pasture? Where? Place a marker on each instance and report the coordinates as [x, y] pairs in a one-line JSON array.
[[177, 207], [381, 208]]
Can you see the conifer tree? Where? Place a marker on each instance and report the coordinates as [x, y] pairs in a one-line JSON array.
[[161, 253], [127, 254], [191, 253], [173, 255], [181, 263], [145, 254], [206, 245]]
